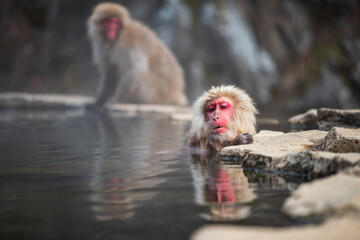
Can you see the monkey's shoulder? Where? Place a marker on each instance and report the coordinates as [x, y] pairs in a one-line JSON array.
[[138, 32]]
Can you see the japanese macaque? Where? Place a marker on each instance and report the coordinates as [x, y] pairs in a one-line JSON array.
[[223, 116], [135, 65]]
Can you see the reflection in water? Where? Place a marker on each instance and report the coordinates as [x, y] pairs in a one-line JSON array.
[[224, 188], [127, 173], [234, 193]]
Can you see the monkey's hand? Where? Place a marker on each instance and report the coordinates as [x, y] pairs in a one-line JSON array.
[[243, 138]]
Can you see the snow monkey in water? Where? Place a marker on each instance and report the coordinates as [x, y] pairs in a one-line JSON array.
[[223, 116], [135, 65]]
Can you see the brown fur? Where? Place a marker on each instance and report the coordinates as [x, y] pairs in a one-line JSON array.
[[137, 63], [243, 122]]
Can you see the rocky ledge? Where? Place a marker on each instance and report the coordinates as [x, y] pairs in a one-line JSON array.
[[325, 118], [42, 101], [331, 157], [53, 102], [314, 152]]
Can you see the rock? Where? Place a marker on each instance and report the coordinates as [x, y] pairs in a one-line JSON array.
[[328, 118], [267, 133], [339, 193], [292, 151], [317, 164], [308, 118], [353, 171], [41, 101], [270, 147], [344, 228], [14, 101], [341, 140]]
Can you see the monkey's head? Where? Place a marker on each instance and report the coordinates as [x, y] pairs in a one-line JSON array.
[[221, 114], [107, 21]]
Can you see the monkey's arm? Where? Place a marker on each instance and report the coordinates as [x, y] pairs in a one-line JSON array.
[[107, 88], [243, 138]]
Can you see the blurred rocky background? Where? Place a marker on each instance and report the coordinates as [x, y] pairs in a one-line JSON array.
[[289, 55]]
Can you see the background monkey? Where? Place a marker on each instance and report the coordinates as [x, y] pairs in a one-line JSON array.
[[223, 116], [135, 65]]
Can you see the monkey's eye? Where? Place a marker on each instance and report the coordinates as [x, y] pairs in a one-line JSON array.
[[211, 108], [224, 106]]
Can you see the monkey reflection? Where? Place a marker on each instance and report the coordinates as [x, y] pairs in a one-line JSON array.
[[135, 65], [225, 189], [130, 162]]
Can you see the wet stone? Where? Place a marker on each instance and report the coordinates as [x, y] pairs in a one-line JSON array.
[[14, 101], [328, 118], [308, 118], [42, 101], [334, 194], [271, 147], [300, 152], [341, 140], [317, 164]]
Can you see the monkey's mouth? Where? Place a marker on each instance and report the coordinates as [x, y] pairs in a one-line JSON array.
[[219, 129]]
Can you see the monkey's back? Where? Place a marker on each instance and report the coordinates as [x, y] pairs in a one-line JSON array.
[[162, 76]]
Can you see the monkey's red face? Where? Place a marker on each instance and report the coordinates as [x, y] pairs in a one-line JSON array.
[[218, 114], [111, 27]]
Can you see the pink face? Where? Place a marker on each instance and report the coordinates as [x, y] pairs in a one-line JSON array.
[[218, 114], [111, 25]]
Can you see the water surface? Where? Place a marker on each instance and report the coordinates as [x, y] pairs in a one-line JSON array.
[[100, 176]]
